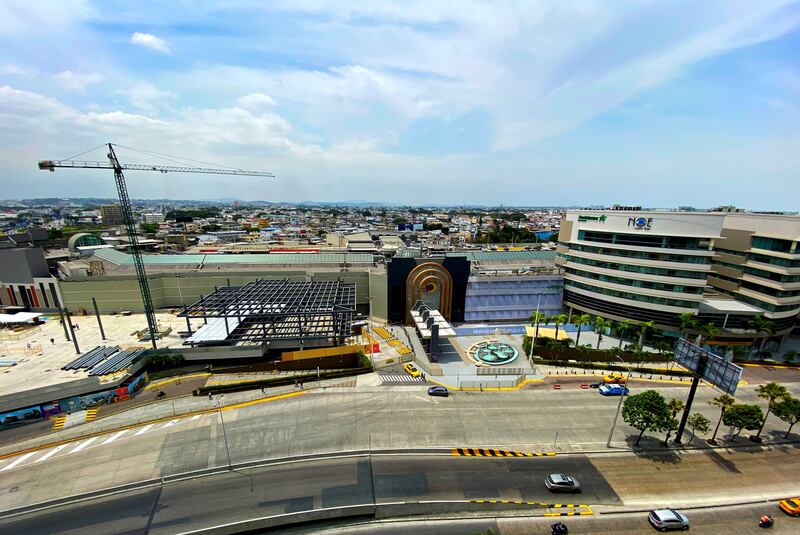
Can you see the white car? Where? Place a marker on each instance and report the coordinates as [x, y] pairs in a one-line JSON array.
[[668, 520]]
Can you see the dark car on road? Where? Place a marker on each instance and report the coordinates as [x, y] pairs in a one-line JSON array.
[[438, 391]]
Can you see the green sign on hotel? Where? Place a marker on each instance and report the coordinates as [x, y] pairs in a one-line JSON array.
[[600, 218]]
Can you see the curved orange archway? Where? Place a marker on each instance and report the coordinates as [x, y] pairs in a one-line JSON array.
[[420, 276]]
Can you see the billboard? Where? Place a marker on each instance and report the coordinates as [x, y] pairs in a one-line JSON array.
[[713, 368]]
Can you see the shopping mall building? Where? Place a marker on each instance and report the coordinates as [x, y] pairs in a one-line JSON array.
[[726, 267]]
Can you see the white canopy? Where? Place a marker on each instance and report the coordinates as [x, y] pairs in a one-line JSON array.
[[19, 317]]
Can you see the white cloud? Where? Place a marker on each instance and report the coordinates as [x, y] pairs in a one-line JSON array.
[[145, 95], [256, 101], [148, 40], [9, 69], [78, 81]]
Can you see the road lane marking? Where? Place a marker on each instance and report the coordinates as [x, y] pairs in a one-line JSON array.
[[195, 417], [171, 423], [115, 436], [84, 444], [19, 460], [51, 453], [143, 430], [234, 406]]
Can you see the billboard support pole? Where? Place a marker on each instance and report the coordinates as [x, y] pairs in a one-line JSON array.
[[685, 415]]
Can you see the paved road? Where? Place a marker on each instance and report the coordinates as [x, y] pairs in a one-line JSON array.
[[715, 521], [608, 481], [319, 422]]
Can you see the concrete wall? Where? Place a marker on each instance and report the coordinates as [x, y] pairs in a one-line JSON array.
[[377, 290]]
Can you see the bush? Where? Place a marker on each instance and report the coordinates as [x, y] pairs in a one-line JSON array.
[[164, 361]]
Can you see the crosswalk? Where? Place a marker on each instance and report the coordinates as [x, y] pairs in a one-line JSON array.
[[56, 452], [399, 378]]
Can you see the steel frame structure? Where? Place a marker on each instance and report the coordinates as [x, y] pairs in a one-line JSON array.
[[267, 310]]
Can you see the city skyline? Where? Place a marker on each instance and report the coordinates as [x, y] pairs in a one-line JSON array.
[[560, 105]]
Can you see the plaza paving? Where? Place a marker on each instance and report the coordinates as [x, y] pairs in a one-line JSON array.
[[36, 369]]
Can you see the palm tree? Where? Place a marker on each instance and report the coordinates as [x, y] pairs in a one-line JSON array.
[[761, 326], [790, 356], [675, 406], [536, 318], [558, 319], [687, 321], [580, 321], [624, 327], [724, 402], [709, 331], [771, 392], [643, 328], [600, 326]]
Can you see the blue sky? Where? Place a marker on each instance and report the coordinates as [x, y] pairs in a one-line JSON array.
[[533, 103]]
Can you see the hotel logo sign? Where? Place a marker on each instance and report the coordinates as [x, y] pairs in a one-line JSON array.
[[598, 218], [640, 223]]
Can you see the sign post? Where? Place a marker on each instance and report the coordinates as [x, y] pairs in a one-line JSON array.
[[707, 366]]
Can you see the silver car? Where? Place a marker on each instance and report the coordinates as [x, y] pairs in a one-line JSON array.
[[668, 520], [562, 483]]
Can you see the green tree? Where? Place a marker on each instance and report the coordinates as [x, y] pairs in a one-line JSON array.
[[771, 392], [647, 411], [788, 410], [742, 417], [600, 326], [54, 234], [790, 356], [675, 406], [527, 345], [761, 326], [580, 321], [536, 318], [644, 328], [709, 331], [724, 402], [559, 320], [624, 328], [698, 424], [149, 228], [687, 321]]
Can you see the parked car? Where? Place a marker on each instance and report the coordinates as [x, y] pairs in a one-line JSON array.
[[613, 390], [668, 520], [562, 483], [411, 369], [790, 506], [614, 377], [438, 391]]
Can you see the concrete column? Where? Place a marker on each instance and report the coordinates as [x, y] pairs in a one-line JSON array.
[[99, 322], [72, 331]]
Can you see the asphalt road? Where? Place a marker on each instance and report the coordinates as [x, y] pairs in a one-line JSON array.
[[607, 480], [713, 521], [320, 422]]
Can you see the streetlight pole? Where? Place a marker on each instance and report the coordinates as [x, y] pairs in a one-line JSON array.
[[178, 280], [224, 433], [619, 405]]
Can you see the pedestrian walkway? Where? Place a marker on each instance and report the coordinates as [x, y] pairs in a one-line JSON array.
[[399, 378]]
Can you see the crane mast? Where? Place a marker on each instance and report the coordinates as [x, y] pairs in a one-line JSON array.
[[127, 211]]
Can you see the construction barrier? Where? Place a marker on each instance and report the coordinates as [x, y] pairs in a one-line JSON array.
[[585, 386], [557, 387]]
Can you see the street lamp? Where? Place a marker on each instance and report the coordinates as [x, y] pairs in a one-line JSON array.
[[178, 280], [218, 404], [619, 405]]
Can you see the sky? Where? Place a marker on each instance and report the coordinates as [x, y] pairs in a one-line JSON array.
[[553, 102]]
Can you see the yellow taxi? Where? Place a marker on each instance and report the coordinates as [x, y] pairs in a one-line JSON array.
[[411, 369], [790, 506], [614, 377]]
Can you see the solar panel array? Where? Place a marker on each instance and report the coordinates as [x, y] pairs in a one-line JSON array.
[[120, 361], [91, 358], [103, 360]]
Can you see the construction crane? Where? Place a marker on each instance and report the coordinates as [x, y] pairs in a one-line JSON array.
[[127, 212]]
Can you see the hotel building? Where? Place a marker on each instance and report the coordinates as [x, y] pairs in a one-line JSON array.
[[726, 267]]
